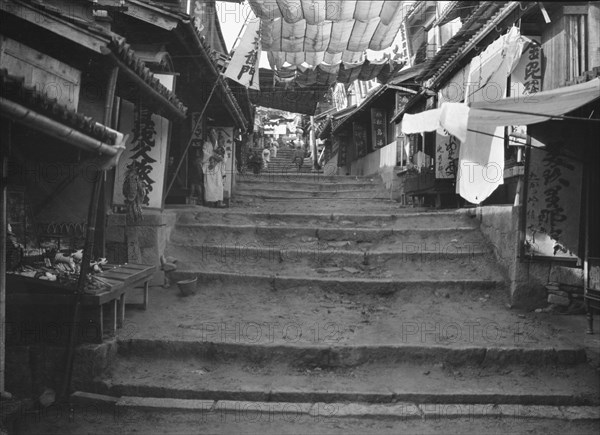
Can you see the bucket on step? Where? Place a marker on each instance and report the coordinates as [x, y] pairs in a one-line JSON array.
[[188, 286]]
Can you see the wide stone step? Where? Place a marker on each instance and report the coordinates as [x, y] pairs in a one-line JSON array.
[[395, 218], [312, 196], [315, 177], [412, 321], [453, 263], [348, 283], [274, 192], [387, 239], [305, 186], [179, 370]]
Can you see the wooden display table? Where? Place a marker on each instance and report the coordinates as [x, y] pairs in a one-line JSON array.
[[21, 290]]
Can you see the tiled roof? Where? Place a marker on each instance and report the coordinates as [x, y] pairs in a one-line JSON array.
[[116, 44], [119, 46], [479, 25], [474, 23], [13, 89]]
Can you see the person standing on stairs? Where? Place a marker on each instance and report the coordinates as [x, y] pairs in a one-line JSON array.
[[266, 155], [274, 149], [298, 157], [213, 166]]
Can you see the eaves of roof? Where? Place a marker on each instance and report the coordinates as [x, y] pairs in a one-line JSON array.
[[479, 32], [13, 88], [105, 41], [366, 103]]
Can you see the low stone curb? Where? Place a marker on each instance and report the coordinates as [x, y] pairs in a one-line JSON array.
[[397, 411], [346, 285], [354, 355]]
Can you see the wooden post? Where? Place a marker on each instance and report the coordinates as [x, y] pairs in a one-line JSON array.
[[3, 228], [85, 265], [5, 146], [313, 142]]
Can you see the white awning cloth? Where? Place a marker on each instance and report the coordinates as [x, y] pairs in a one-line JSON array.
[[522, 110]]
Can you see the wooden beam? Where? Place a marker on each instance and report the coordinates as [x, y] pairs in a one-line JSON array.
[[151, 14], [55, 25]]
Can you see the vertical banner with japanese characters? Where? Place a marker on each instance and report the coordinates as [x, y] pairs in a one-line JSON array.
[[553, 203], [243, 67], [146, 148], [378, 128], [526, 79], [359, 133], [446, 156]]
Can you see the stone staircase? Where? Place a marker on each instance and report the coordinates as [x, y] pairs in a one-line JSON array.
[[316, 292], [282, 164]]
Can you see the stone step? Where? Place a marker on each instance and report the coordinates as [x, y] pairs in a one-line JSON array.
[[357, 326], [315, 177], [249, 183], [296, 261], [342, 284], [130, 414], [396, 218], [317, 198], [325, 260], [277, 193], [201, 372], [363, 239], [251, 413]]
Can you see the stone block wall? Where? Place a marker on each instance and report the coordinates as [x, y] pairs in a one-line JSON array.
[[143, 242], [527, 279]]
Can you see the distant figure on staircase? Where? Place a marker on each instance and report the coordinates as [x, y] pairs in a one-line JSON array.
[[298, 157], [274, 149], [266, 155]]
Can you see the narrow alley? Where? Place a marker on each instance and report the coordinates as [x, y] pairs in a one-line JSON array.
[[299, 217]]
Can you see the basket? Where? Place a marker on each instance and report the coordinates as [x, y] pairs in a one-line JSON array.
[[188, 286]]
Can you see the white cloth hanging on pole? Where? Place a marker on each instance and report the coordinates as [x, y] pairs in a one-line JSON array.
[[481, 155]]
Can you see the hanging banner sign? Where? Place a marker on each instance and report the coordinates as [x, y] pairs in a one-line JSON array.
[[446, 156], [243, 66], [526, 79], [378, 128]]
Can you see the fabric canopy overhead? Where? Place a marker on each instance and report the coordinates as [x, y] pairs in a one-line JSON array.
[[327, 41]]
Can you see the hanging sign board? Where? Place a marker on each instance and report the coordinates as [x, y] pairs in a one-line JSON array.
[[243, 67], [378, 128], [446, 156]]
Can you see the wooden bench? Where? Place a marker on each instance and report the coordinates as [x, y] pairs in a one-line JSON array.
[[109, 302]]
